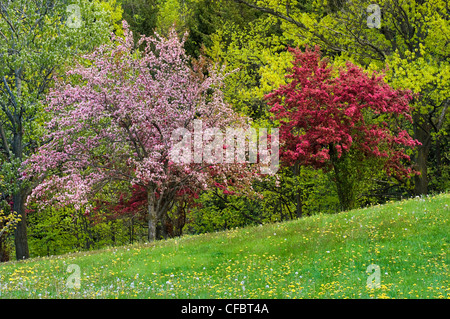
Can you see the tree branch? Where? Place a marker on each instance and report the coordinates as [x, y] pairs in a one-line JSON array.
[[288, 19], [9, 115], [4, 140], [11, 94]]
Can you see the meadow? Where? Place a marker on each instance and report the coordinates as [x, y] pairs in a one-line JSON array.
[[320, 256]]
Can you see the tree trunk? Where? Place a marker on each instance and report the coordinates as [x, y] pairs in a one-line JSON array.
[[345, 193], [152, 216], [19, 199], [422, 134], [421, 181], [20, 234], [344, 181], [438, 158]]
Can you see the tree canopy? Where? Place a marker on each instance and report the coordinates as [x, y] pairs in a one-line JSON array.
[[118, 117]]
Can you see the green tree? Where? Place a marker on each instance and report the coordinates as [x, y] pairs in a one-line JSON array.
[[37, 38], [206, 17], [141, 15]]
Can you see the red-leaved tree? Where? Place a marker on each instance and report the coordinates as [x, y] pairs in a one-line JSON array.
[[113, 120], [337, 118]]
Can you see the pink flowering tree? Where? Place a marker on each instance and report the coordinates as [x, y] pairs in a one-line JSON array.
[[113, 120], [340, 120]]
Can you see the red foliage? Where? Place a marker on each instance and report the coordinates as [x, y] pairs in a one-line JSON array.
[[136, 205], [324, 109], [127, 206]]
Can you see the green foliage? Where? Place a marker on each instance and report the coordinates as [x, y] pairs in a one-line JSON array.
[[8, 223], [293, 194], [359, 179], [280, 198], [9, 172], [57, 231], [114, 12], [218, 211], [171, 12], [141, 15], [256, 56], [206, 17], [35, 46]]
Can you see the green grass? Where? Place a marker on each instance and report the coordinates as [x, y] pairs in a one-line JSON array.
[[323, 256]]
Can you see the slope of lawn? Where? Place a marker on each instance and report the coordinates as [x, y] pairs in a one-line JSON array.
[[323, 256]]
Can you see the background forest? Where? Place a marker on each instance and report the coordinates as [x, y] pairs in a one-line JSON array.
[[397, 63]]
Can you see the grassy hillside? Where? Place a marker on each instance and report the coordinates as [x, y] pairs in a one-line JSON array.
[[324, 256]]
